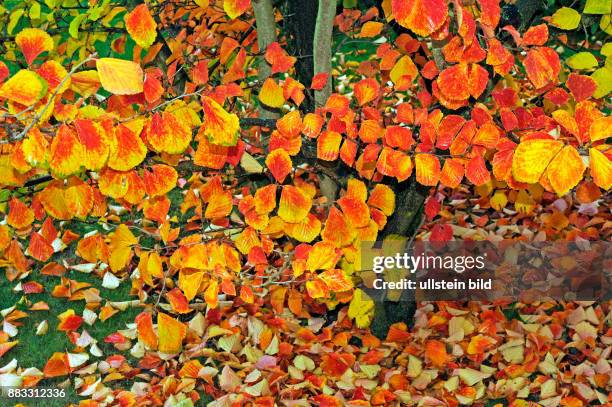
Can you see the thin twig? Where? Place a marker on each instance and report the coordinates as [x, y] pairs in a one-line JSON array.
[[52, 97]]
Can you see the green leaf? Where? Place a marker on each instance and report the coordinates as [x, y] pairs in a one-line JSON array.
[[35, 11], [603, 77], [13, 20], [565, 18], [605, 24], [73, 29], [582, 60], [598, 7]]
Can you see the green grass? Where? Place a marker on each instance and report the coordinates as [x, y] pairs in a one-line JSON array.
[[34, 351]]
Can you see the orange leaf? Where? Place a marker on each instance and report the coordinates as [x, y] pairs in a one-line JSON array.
[[235, 8], [39, 248], [95, 142], [421, 16], [328, 145], [219, 126], [382, 197], [166, 133], [33, 42], [144, 326], [219, 205], [6, 346], [161, 180], [370, 29], [69, 321], [366, 90], [404, 72], [542, 66], [279, 163], [278, 58], [337, 229], [20, 215], [319, 81], [435, 351], [141, 26], [54, 73], [452, 172], [290, 125], [479, 343], [336, 104], [305, 231], [355, 210], [476, 171], [536, 35], [294, 204], [336, 280], [454, 82], [66, 155], [57, 365], [178, 301], [126, 149], [581, 86], [171, 333]]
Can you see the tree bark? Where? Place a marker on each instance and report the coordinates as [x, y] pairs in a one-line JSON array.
[[300, 27], [323, 47], [405, 221], [266, 35]]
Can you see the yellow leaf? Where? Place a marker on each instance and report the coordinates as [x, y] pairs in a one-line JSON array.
[[532, 157], [271, 94], [219, 126], [499, 200], [120, 77], [582, 60], [606, 24], [25, 87], [603, 78], [565, 170], [403, 67], [120, 246], [361, 309], [601, 169], [171, 333], [565, 18]]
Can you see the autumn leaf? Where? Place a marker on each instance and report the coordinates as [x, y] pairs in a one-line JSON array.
[[219, 126], [141, 26], [119, 76]]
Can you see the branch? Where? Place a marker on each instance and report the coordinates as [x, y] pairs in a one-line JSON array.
[[52, 98], [256, 121]]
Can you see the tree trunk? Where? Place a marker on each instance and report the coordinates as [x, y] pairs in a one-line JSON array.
[[405, 221], [323, 47], [300, 27], [266, 35]]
